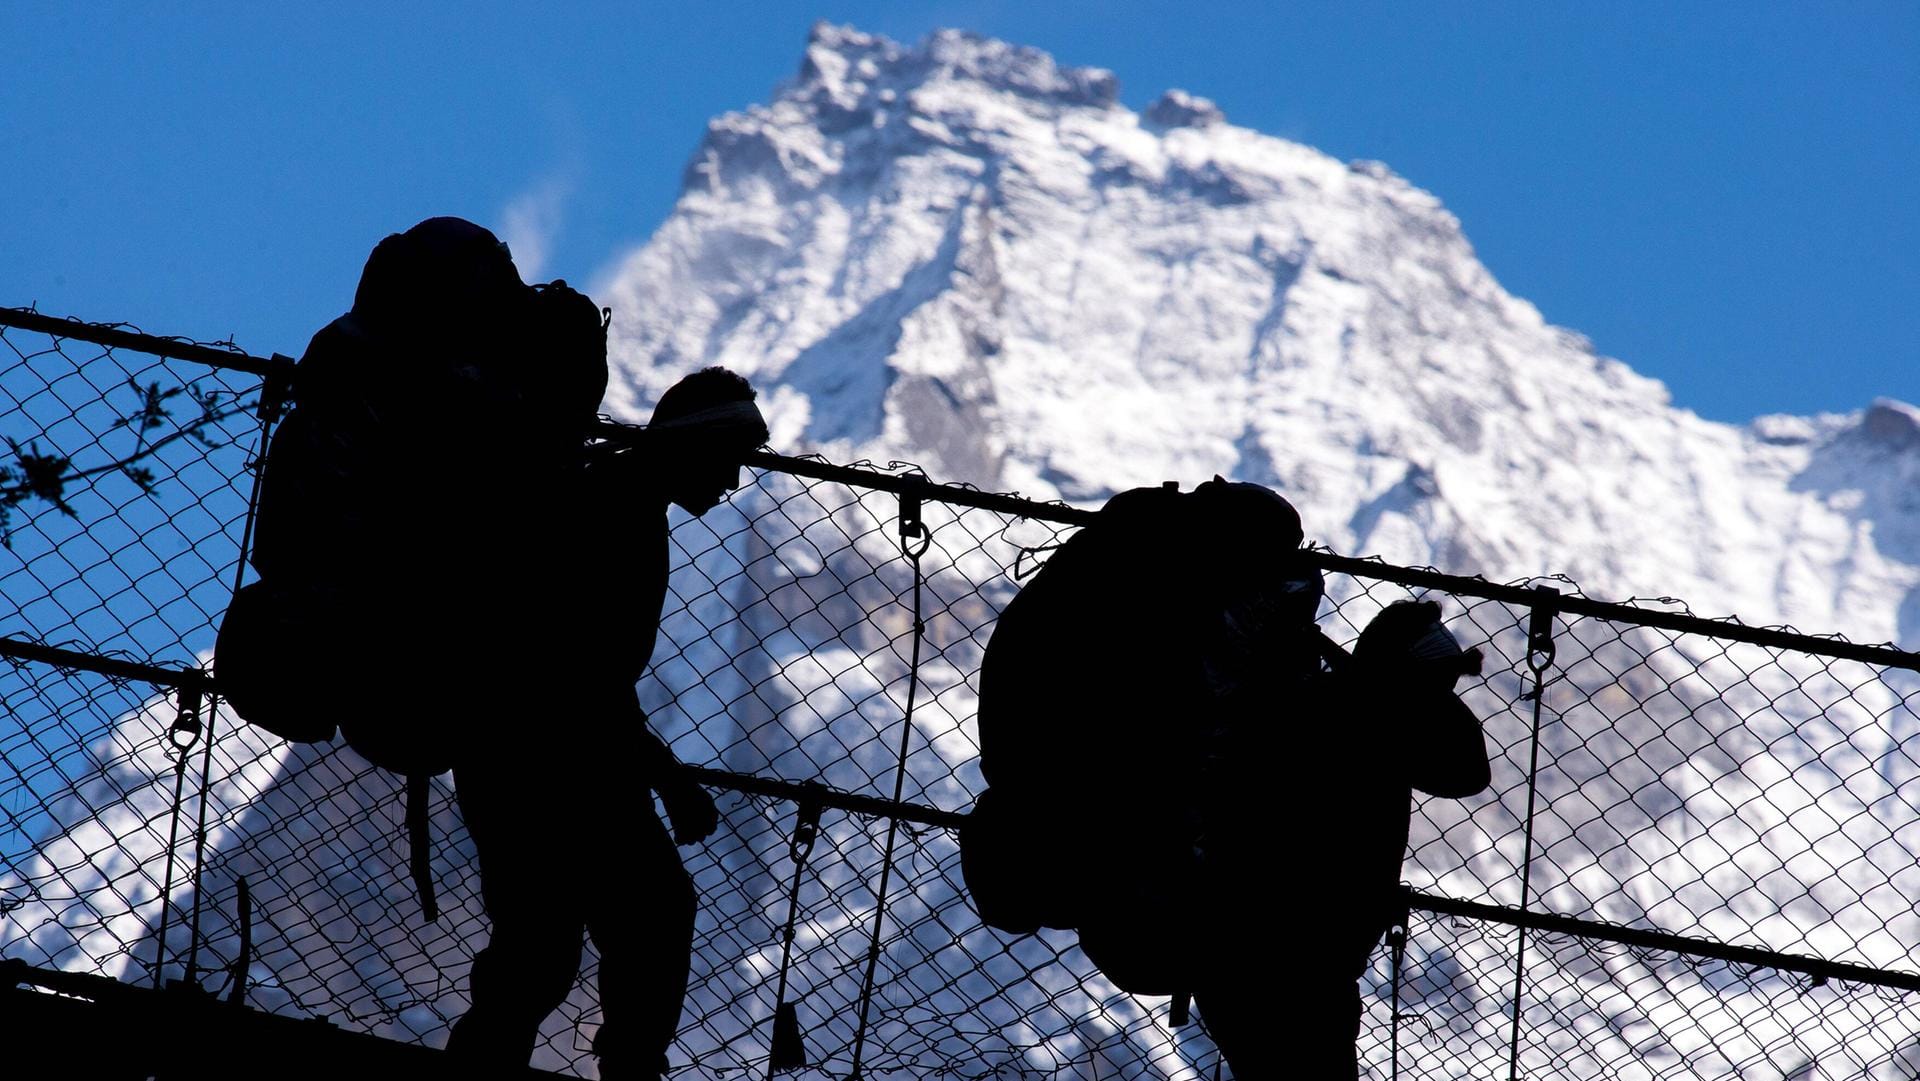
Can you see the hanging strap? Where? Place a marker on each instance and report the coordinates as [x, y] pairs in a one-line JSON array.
[[420, 844]]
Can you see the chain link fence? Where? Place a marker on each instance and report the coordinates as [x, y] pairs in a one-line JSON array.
[[124, 491], [1718, 823]]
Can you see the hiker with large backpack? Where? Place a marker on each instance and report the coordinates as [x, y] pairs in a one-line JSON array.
[[446, 575], [1180, 770]]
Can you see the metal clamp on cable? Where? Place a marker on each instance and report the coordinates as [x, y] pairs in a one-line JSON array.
[[913, 528], [275, 393], [805, 832]]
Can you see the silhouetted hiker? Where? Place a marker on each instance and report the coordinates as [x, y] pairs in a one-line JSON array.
[[555, 793], [1175, 774], [450, 575]]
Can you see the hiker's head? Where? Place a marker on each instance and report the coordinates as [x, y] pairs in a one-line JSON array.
[[709, 423], [1252, 510], [1254, 539]]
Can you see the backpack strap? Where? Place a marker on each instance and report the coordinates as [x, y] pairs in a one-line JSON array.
[[420, 844], [1332, 652]]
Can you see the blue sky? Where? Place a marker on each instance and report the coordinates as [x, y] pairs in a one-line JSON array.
[[1722, 195]]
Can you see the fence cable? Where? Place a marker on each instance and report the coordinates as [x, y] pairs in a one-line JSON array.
[[273, 393], [182, 735], [911, 528], [806, 831], [1540, 653]]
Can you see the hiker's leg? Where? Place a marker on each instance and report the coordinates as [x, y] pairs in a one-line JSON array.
[[1327, 1032], [523, 975], [1250, 1042], [644, 932], [1280, 1022], [533, 951]]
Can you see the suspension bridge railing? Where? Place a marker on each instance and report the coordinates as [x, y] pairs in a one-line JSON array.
[[1697, 856]]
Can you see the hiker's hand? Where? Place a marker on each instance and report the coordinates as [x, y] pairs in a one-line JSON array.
[[691, 809]]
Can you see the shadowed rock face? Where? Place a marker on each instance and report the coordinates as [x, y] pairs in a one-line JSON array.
[[1179, 109]]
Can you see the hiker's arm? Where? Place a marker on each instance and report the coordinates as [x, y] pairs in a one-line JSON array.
[[1446, 755], [657, 762], [688, 805]]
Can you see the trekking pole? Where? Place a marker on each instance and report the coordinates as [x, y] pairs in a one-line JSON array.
[[243, 957], [911, 528]]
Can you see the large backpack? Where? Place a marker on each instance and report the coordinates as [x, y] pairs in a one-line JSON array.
[[434, 439], [1105, 705]]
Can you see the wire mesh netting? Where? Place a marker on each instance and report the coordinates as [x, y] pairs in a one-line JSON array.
[[1596, 1009], [1676, 781], [123, 496]]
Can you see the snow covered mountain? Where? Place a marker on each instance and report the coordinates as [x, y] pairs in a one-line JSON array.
[[965, 255]]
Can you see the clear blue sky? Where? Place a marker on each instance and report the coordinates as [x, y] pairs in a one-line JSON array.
[[1726, 196]]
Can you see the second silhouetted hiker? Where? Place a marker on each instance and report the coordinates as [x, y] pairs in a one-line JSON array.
[[1101, 737], [1185, 770]]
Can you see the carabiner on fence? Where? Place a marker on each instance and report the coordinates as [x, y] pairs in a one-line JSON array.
[[185, 731], [913, 527], [275, 393], [806, 830], [1032, 554]]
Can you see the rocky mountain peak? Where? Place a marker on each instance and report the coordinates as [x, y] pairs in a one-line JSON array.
[[841, 60], [1179, 109], [965, 254]]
